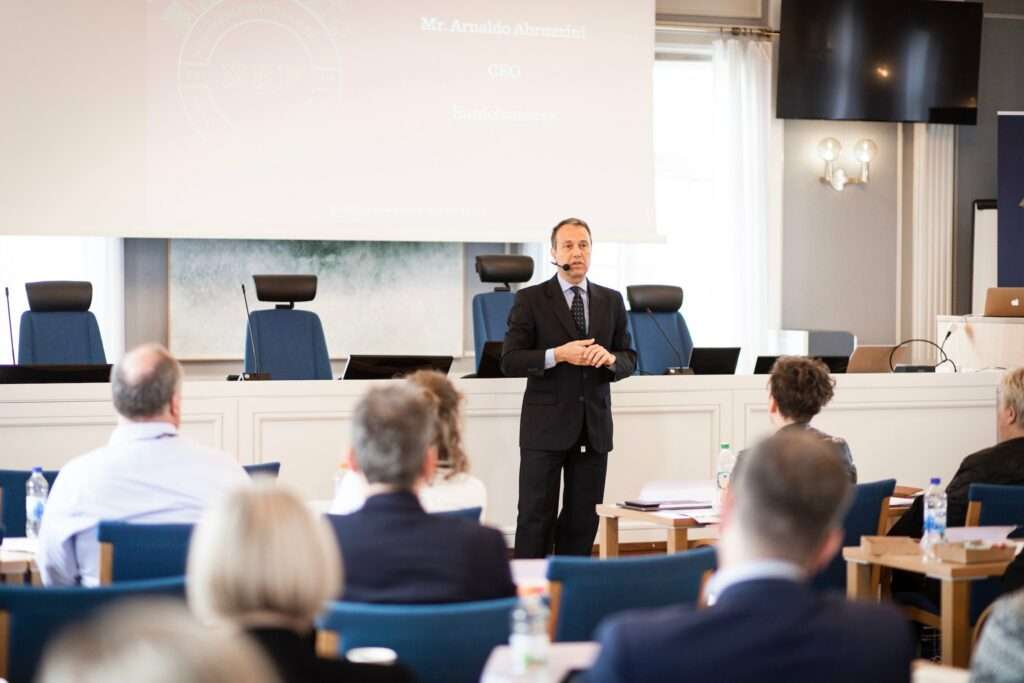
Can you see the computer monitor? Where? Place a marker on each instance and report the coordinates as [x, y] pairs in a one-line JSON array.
[[490, 360], [706, 360], [393, 367], [836, 364], [54, 374]]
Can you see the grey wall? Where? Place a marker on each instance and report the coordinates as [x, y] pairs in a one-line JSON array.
[[1000, 88], [839, 249]]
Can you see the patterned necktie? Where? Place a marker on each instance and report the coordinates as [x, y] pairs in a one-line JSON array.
[[578, 315]]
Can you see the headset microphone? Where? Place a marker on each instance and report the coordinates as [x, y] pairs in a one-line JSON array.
[[564, 266]]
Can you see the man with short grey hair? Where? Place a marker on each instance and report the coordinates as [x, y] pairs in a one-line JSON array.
[[147, 473], [393, 551], [781, 524]]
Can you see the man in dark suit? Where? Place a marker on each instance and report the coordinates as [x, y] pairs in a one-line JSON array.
[[781, 522], [393, 551], [568, 337]]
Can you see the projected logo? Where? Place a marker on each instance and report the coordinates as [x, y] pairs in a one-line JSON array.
[[269, 64]]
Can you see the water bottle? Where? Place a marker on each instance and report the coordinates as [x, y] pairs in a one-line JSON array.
[[36, 491], [934, 519], [724, 464], [529, 641]]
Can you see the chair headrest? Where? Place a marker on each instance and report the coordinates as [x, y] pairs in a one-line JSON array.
[[504, 268], [285, 288], [656, 298], [58, 295]]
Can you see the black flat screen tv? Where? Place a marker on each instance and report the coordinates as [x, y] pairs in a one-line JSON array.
[[879, 60]]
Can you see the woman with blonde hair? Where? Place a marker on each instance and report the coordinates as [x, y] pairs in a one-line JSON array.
[[452, 487], [262, 562]]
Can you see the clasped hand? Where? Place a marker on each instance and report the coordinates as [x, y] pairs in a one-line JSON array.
[[584, 352]]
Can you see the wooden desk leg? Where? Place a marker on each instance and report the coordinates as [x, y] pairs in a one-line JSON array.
[[858, 581], [956, 641], [677, 540], [608, 537]]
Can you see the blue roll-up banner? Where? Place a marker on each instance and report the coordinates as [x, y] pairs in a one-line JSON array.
[[1011, 197]]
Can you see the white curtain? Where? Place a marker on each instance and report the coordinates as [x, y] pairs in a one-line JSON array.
[[100, 260], [932, 271], [746, 187], [718, 171]]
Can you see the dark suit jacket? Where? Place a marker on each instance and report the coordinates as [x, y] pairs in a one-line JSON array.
[[836, 444], [394, 552], [761, 630], [295, 659], [1001, 464], [557, 400]]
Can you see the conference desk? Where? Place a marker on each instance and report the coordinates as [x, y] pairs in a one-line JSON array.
[[907, 427]]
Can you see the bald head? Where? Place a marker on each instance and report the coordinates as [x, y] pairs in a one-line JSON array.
[[145, 383]]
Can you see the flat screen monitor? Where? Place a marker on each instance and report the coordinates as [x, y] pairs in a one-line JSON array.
[[706, 360], [54, 374], [879, 60], [836, 364], [490, 360], [393, 367]]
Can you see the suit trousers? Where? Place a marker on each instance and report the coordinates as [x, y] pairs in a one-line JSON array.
[[540, 529]]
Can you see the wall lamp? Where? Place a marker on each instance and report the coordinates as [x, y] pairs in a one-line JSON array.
[[835, 176]]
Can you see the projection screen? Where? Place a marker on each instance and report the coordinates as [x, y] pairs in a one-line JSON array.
[[471, 120]]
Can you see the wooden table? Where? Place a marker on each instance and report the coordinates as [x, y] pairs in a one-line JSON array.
[[675, 525], [955, 579]]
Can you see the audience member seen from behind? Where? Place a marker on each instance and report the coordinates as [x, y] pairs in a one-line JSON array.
[[394, 551], [152, 641], [781, 523], [452, 487], [798, 389], [999, 655], [147, 473], [261, 561]]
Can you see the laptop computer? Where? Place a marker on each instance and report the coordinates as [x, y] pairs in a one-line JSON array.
[[876, 358], [836, 364], [707, 360], [490, 360], [393, 367], [1004, 302]]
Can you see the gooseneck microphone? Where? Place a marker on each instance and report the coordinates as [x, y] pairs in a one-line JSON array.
[[564, 266], [681, 368], [10, 326], [248, 332]]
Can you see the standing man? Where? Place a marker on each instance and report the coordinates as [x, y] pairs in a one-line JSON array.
[[568, 337]]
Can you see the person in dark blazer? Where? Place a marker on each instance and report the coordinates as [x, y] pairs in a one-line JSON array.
[[394, 551], [1002, 464], [568, 337], [781, 523], [262, 562]]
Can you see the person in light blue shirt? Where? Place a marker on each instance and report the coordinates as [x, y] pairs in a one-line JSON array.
[[147, 473]]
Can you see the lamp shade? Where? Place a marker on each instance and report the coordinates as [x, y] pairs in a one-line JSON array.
[[865, 151], [829, 149]]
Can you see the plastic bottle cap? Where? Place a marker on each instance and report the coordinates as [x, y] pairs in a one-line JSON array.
[[724, 444], [37, 469], [935, 480]]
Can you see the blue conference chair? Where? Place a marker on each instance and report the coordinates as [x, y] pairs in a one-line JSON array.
[[58, 328], [32, 616], [864, 518], [263, 469], [584, 590], [133, 552], [987, 505], [439, 643], [286, 343], [658, 330], [490, 310], [465, 513], [12, 498]]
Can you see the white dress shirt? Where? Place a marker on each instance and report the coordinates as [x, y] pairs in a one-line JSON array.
[[443, 494], [549, 355], [145, 474], [724, 579]]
